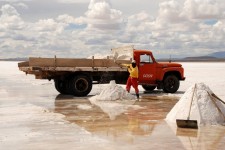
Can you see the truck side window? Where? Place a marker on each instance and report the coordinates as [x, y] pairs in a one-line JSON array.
[[145, 59]]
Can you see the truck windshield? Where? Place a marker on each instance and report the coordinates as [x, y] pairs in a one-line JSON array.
[[145, 58]]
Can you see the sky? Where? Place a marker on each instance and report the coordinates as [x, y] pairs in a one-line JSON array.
[[82, 28]]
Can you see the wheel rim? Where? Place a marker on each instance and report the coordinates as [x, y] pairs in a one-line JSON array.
[[81, 85], [170, 83]]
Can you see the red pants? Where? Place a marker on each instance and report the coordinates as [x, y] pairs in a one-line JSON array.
[[134, 83]]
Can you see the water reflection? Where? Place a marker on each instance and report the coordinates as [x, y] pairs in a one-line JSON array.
[[115, 108], [117, 118], [143, 128], [206, 137]]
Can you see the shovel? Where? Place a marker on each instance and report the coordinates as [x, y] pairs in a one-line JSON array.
[[188, 123], [214, 95]]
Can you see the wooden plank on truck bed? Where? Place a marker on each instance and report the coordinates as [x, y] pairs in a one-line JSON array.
[[41, 62], [23, 64], [59, 62], [66, 62]]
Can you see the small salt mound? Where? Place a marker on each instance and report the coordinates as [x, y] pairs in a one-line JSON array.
[[205, 109], [114, 92], [114, 100]]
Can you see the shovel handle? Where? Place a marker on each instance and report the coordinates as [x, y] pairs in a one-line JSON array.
[[214, 102], [214, 95]]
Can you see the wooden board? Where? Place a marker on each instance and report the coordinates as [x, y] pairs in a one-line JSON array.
[[23, 64], [66, 62]]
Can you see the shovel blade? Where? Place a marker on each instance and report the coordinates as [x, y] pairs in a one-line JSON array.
[[187, 123]]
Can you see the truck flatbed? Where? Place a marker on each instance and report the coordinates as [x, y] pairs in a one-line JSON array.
[[38, 66]]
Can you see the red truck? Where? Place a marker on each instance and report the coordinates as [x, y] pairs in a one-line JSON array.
[[76, 76]]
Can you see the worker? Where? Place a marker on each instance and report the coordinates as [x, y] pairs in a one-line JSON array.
[[133, 78]]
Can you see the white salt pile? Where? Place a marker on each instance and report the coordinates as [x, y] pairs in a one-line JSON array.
[[114, 100], [206, 109], [114, 92]]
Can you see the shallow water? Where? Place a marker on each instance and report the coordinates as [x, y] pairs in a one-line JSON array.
[[34, 116], [142, 128]]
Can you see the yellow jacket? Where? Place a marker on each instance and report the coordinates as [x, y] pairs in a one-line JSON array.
[[133, 71]]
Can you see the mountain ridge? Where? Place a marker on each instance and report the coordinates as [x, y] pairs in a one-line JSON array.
[[218, 54]]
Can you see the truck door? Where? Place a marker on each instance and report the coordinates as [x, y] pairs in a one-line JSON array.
[[146, 69]]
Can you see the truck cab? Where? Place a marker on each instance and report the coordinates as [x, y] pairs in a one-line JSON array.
[[152, 74]]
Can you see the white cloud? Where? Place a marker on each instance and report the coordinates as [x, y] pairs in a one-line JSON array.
[[10, 18], [203, 9], [49, 25], [39, 38], [94, 2], [8, 10], [22, 5], [15, 0], [178, 29], [175, 29], [170, 12], [70, 19], [100, 15], [73, 1]]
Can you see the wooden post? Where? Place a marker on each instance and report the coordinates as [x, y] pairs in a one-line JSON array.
[[55, 62], [93, 64], [107, 64]]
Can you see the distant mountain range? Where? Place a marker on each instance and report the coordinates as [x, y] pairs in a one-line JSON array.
[[218, 54], [14, 59]]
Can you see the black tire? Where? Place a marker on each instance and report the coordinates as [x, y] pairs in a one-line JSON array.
[[148, 87], [60, 86], [171, 84], [81, 85]]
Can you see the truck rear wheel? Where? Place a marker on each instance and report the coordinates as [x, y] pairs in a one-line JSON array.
[[171, 84], [148, 87], [60, 86], [81, 85]]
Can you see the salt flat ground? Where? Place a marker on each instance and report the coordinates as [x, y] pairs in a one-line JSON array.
[[34, 116]]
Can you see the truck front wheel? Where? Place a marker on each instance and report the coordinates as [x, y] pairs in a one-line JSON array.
[[171, 84], [81, 85]]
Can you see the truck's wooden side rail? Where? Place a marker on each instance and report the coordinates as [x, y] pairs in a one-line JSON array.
[[65, 62], [44, 68], [23, 64]]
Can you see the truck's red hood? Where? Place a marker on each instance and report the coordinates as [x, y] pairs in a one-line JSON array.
[[167, 64]]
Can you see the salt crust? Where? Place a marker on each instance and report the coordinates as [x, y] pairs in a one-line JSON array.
[[203, 108], [27, 126]]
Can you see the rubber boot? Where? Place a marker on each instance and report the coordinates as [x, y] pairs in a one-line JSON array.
[[137, 96]]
